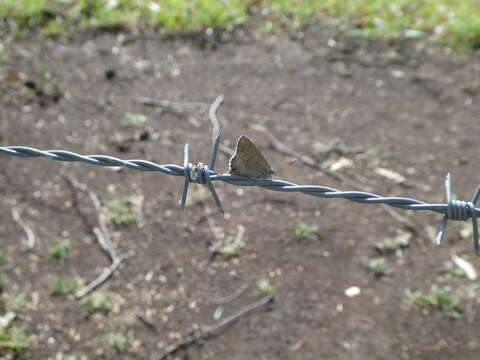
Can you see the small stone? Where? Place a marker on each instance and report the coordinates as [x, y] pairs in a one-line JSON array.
[[353, 291]]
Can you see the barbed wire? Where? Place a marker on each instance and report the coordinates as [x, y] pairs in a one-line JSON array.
[[203, 174]]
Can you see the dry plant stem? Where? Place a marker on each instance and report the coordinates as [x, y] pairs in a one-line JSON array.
[[213, 117], [147, 323], [240, 233], [166, 104], [229, 298], [102, 233], [104, 276], [103, 237], [25, 227], [284, 149], [209, 331]]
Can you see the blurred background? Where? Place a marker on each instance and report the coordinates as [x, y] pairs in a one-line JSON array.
[[101, 262]]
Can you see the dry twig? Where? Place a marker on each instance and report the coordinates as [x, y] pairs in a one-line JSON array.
[[103, 237], [147, 323], [229, 298], [166, 104], [209, 331], [26, 228], [99, 280]]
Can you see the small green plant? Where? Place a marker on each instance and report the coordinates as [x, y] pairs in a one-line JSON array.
[[305, 231], [393, 244], [231, 246], [3, 261], [378, 267], [122, 211], [264, 288], [454, 23], [14, 301], [3, 55], [179, 270], [12, 337], [133, 120], [60, 251], [120, 341], [441, 298], [64, 286], [97, 302], [369, 158]]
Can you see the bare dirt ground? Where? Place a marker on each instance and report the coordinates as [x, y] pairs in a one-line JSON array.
[[407, 107]]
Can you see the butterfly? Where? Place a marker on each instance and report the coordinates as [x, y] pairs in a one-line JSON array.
[[249, 161]]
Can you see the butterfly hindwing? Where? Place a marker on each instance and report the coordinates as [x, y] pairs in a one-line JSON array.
[[249, 161]]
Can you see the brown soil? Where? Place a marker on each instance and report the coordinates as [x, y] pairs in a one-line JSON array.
[[414, 108]]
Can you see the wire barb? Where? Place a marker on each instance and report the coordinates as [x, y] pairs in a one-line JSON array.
[[216, 144], [459, 211], [186, 173], [453, 210], [200, 174]]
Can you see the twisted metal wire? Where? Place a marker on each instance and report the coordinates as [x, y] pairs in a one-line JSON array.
[[200, 173]]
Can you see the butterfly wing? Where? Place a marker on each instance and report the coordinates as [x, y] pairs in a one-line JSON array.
[[249, 161]]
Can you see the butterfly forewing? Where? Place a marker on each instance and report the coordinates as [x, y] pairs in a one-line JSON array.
[[249, 161]]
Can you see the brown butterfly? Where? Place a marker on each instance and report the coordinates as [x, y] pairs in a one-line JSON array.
[[249, 161]]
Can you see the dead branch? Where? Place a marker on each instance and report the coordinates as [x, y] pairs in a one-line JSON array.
[[166, 104], [104, 276], [25, 227], [102, 235], [229, 298], [209, 331], [147, 323]]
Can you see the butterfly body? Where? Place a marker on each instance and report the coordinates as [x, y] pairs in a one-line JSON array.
[[249, 161]]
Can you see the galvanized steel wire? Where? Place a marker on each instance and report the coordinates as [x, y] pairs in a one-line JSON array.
[[200, 173]]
